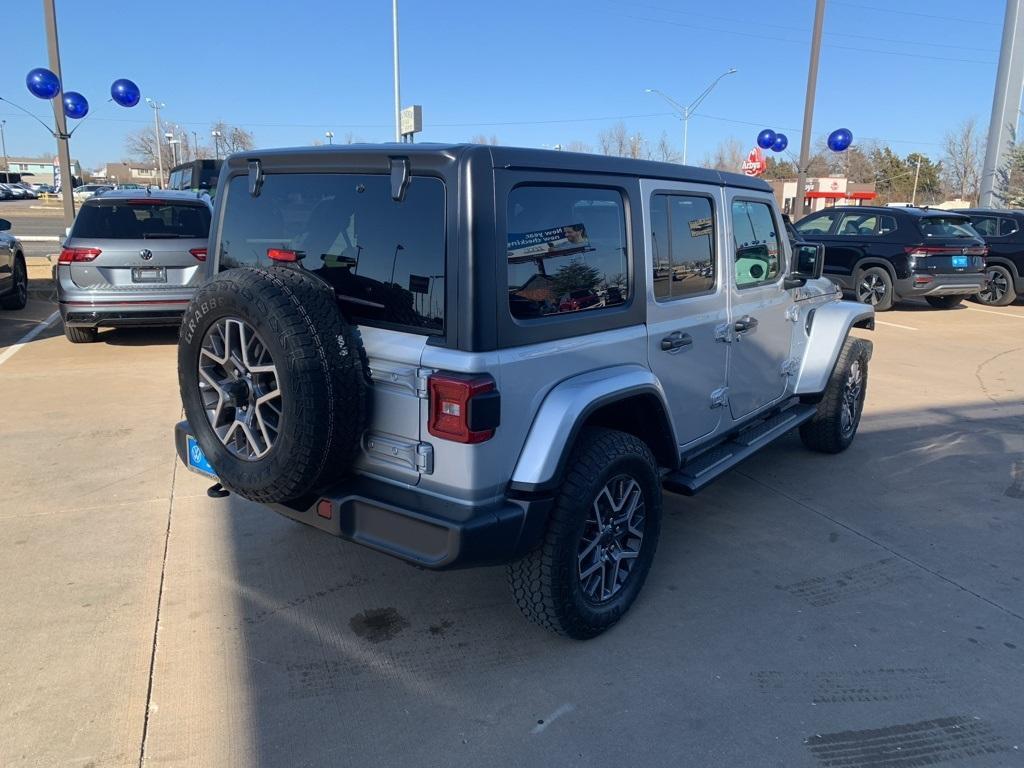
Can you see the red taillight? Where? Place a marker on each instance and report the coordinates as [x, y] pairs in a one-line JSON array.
[[938, 250], [282, 254], [325, 508], [199, 253], [68, 255], [463, 409]]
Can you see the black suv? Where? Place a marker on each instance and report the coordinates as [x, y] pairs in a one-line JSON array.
[[1003, 231], [882, 255]]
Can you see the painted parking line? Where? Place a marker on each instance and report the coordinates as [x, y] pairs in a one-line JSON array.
[[895, 325], [994, 312], [11, 351]]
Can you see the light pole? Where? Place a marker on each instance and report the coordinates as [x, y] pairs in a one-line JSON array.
[[195, 146], [59, 120], [157, 106], [173, 144], [398, 98], [3, 140], [216, 142], [687, 112], [812, 84], [330, 136]]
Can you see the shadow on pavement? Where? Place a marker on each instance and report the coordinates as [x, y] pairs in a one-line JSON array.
[[801, 594]]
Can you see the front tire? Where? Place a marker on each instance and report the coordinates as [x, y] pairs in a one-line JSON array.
[[944, 302], [998, 291], [874, 287], [597, 551], [835, 424], [18, 297]]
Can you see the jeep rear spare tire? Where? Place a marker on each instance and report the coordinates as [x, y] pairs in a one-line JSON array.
[[273, 382]]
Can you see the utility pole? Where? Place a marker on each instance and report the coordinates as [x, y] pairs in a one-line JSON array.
[[917, 174], [63, 152], [157, 106], [812, 84], [1006, 100], [195, 145], [3, 140], [216, 142], [398, 98]]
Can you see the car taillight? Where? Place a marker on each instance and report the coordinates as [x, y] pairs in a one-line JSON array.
[[463, 409], [918, 251], [199, 253], [68, 255], [282, 254]]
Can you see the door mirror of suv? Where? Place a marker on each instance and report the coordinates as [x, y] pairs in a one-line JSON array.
[[808, 263], [4, 225]]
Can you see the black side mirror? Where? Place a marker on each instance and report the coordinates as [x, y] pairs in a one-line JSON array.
[[4, 225], [808, 263]]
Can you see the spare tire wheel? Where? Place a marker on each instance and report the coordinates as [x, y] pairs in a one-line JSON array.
[[274, 382]]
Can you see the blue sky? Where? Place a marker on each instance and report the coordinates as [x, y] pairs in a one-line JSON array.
[[531, 72]]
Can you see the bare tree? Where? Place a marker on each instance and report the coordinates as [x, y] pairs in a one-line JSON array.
[[142, 148], [728, 155], [964, 150], [232, 138], [481, 139], [664, 150], [578, 146], [614, 141]]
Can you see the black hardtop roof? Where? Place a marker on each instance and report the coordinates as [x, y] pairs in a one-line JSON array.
[[1016, 212], [521, 158], [909, 210]]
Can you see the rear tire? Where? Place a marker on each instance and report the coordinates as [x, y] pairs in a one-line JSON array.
[[79, 335], [834, 426], [874, 286], [999, 292], [582, 577], [18, 297], [944, 302]]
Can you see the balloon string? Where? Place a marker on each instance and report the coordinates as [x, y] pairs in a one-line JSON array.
[[48, 128]]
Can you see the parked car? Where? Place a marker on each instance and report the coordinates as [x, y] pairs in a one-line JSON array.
[[883, 255], [1003, 232], [368, 358], [5, 193], [16, 192], [131, 259], [13, 273], [574, 301], [86, 191], [44, 189], [29, 191]]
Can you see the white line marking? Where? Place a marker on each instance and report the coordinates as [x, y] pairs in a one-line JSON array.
[[39, 238], [895, 325], [993, 312], [11, 351], [562, 710]]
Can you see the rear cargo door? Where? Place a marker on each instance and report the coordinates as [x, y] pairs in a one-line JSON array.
[[148, 243]]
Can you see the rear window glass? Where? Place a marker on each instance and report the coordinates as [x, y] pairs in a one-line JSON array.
[[947, 226], [143, 219], [566, 250], [384, 259]]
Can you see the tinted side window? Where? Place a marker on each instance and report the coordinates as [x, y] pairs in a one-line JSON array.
[[757, 243], [566, 250], [816, 225], [682, 238], [384, 259], [1007, 227], [986, 226], [865, 224]]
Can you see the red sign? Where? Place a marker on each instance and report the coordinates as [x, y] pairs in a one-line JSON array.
[[755, 164]]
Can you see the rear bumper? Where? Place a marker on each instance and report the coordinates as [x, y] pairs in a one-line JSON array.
[[422, 529], [962, 284]]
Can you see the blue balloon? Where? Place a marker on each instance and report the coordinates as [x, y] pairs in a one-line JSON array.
[[840, 139], [766, 138], [75, 105], [125, 92], [781, 142], [42, 83]]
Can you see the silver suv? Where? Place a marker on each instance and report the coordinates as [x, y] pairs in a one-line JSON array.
[[132, 257], [468, 355]]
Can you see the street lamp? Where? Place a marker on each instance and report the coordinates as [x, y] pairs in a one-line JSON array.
[[330, 136], [173, 144], [157, 106], [685, 112], [216, 142], [3, 140]]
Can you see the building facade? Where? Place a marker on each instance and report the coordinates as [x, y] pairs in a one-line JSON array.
[[824, 192], [131, 173], [39, 170]]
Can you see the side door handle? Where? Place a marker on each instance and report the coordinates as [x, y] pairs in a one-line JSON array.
[[676, 341], [744, 324]]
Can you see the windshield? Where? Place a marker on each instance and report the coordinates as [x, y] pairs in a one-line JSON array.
[[948, 226], [385, 259], [145, 219]]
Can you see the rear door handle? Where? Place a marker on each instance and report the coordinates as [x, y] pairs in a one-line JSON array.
[[676, 341], [744, 324]]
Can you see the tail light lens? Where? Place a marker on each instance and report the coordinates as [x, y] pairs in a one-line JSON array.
[[69, 255], [935, 250], [282, 254], [199, 253], [463, 409]]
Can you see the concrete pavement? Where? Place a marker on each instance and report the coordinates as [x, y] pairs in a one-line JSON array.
[[859, 610]]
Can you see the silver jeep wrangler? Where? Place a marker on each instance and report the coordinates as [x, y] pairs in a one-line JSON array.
[[471, 355]]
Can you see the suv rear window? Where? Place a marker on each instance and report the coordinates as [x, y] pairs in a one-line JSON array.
[[384, 259], [142, 219], [947, 226], [566, 250]]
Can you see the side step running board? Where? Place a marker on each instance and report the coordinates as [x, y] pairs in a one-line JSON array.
[[705, 467]]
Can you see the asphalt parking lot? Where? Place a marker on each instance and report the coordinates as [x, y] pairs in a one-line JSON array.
[[858, 610]]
